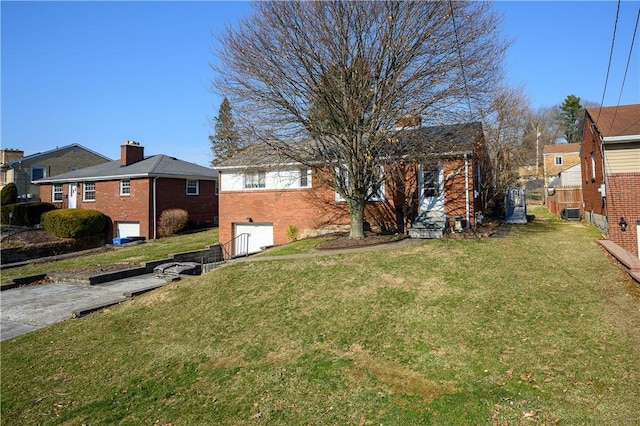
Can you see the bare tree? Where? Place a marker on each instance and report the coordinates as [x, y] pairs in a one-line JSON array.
[[327, 80], [505, 126]]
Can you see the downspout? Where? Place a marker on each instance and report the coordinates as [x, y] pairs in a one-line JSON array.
[[466, 187], [155, 216]]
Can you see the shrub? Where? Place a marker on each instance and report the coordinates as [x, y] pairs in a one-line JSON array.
[[172, 221], [25, 214], [292, 232], [9, 194], [73, 223]]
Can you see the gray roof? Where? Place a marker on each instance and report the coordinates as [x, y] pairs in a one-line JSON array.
[[419, 142], [150, 167], [39, 154]]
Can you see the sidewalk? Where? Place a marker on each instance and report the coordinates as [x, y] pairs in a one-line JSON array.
[[26, 309]]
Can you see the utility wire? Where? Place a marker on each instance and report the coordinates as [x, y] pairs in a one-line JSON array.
[[613, 42], [635, 30], [464, 77]]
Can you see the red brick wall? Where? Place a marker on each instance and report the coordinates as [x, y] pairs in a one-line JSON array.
[[132, 208], [306, 208], [310, 209], [623, 194], [592, 179], [138, 206], [454, 190], [172, 193]]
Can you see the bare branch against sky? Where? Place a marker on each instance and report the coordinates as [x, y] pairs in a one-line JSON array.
[[329, 80]]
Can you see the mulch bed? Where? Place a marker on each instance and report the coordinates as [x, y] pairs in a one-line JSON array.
[[344, 242]]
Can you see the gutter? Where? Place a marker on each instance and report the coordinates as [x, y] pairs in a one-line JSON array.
[[626, 138], [466, 188], [155, 215]]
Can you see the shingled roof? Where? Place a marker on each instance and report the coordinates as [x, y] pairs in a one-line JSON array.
[[621, 120], [437, 141], [150, 167]]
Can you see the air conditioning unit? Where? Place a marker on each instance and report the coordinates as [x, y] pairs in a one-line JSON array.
[[570, 213]]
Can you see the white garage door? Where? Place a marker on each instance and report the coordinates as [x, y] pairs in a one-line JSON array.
[[260, 235], [128, 229]]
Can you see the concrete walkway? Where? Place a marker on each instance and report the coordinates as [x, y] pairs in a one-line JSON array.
[[26, 309]]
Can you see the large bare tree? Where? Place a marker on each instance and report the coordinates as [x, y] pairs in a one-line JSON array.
[[327, 80]]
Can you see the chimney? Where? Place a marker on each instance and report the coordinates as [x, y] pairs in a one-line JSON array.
[[131, 152], [10, 154]]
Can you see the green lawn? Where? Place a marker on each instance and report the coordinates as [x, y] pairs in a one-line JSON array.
[[537, 328]]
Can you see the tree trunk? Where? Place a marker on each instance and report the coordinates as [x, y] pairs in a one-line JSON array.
[[356, 214]]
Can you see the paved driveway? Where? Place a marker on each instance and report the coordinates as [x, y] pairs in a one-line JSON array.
[[26, 309]]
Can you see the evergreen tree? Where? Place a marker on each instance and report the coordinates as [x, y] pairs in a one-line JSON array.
[[225, 140], [571, 118]]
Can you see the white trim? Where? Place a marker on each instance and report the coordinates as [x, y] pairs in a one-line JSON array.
[[626, 138], [84, 192]]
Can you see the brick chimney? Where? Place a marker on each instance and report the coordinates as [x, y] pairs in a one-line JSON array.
[[131, 152]]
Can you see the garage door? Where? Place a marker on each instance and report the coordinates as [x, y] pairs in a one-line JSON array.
[[259, 235], [128, 229]]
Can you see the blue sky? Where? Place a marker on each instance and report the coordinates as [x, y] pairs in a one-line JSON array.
[[100, 73]]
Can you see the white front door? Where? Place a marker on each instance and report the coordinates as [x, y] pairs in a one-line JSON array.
[[73, 194], [431, 188]]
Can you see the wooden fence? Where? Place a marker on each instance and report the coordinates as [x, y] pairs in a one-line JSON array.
[[563, 197]]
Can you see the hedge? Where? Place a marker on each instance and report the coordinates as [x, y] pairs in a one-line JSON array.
[[73, 223]]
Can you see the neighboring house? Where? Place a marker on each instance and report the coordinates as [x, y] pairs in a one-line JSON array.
[[565, 191], [528, 173], [135, 190], [611, 173], [268, 197], [24, 170], [559, 157]]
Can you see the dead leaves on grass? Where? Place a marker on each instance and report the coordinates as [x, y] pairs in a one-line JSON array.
[[395, 376]]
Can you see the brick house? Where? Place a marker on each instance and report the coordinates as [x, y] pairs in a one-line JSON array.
[[265, 196], [134, 191], [559, 157], [610, 158], [22, 171]]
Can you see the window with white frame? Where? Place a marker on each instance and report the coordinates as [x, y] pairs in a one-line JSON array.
[[125, 187], [89, 191], [37, 173], [56, 195], [558, 160], [254, 180], [193, 187], [593, 166]]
